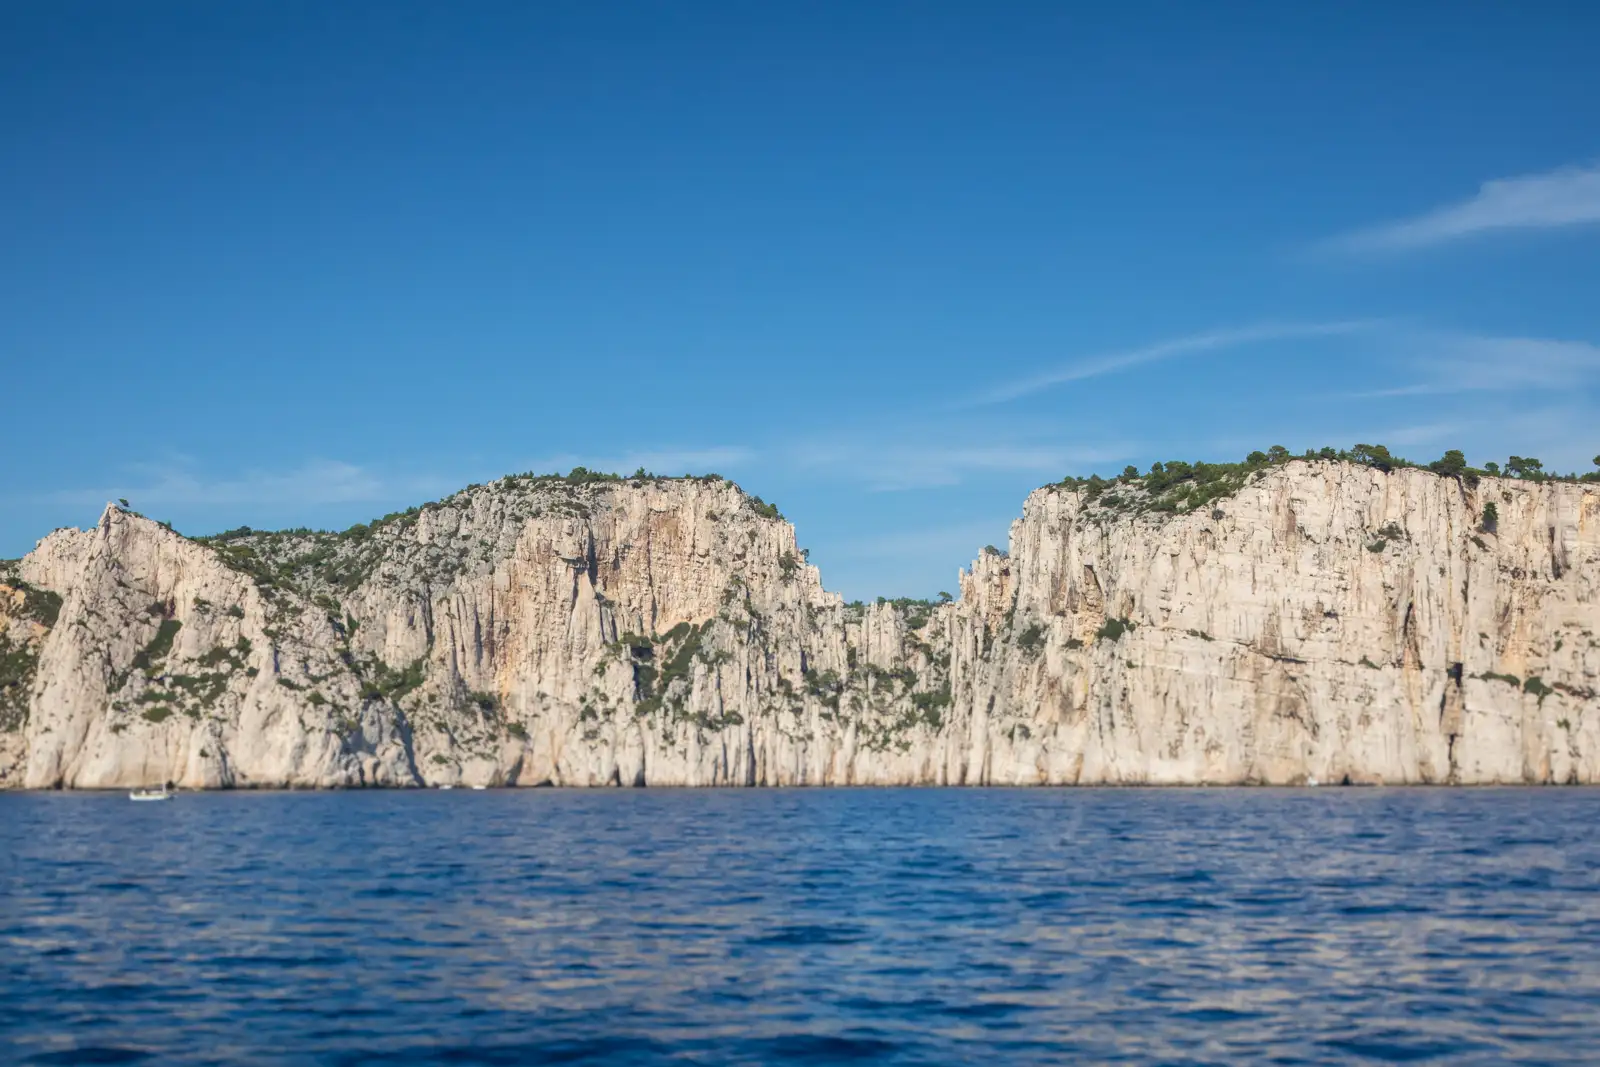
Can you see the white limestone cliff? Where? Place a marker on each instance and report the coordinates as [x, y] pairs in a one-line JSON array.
[[1326, 622]]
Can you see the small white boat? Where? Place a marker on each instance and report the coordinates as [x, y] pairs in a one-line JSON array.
[[447, 787], [480, 787], [150, 794]]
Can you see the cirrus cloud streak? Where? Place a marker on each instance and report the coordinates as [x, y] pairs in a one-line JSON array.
[[1569, 196]]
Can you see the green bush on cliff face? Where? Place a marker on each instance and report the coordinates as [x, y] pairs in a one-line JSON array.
[[914, 613], [929, 706], [1031, 640], [395, 684], [40, 605], [221, 654], [1113, 629], [826, 686], [687, 637], [386, 683], [764, 509], [681, 645], [17, 666], [159, 645]]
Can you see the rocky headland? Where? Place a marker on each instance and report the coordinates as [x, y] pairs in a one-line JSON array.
[[1284, 622]]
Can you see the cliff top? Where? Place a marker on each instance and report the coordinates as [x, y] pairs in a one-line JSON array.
[[578, 485], [473, 527], [479, 524], [1178, 486]]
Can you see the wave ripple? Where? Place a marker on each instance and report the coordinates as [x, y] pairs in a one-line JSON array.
[[800, 927]]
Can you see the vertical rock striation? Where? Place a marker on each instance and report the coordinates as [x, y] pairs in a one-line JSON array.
[[1328, 622]]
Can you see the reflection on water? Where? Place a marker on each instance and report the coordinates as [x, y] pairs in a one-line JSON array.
[[710, 927]]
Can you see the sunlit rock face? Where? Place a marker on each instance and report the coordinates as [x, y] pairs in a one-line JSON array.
[[1325, 622]]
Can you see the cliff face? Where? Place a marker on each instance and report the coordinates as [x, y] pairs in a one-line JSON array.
[[1324, 622]]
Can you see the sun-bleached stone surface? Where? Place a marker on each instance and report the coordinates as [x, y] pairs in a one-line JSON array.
[[1326, 623]]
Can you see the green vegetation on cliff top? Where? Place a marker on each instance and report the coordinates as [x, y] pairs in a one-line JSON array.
[[326, 565], [1196, 483], [1178, 485], [577, 478]]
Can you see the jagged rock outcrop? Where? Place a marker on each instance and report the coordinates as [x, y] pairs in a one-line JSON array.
[[1325, 622]]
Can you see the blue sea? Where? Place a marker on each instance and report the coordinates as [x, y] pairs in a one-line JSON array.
[[908, 926]]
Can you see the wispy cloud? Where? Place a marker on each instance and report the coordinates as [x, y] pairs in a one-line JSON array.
[[1569, 196], [1459, 363], [924, 462], [1194, 344], [178, 483]]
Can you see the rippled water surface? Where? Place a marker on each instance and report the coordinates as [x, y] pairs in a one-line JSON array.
[[710, 927]]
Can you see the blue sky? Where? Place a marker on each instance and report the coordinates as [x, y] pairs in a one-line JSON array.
[[888, 265]]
